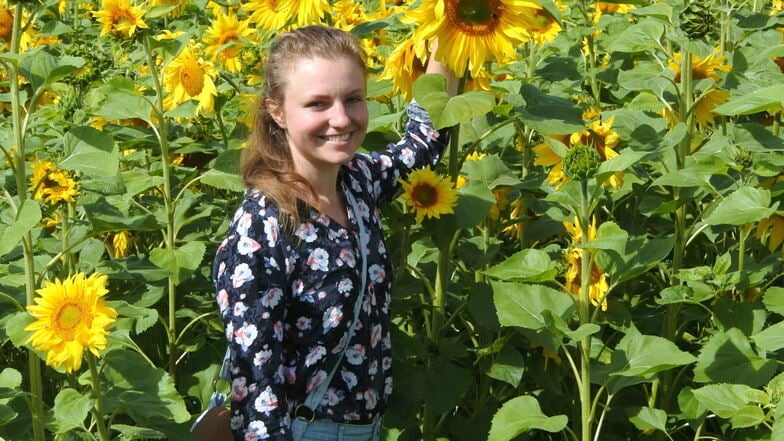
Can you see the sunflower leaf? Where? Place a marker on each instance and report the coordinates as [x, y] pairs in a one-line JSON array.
[[429, 90]]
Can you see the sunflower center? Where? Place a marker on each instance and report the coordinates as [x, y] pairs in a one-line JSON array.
[[424, 195], [476, 17], [68, 318], [124, 19], [192, 78]]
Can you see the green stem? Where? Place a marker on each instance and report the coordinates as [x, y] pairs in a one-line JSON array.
[[169, 237], [95, 380], [584, 314], [34, 362]]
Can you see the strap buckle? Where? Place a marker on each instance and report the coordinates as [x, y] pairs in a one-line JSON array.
[[305, 412]]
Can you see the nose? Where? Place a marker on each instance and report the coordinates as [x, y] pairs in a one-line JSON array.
[[339, 116]]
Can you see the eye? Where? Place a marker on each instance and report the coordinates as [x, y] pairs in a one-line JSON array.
[[356, 99]]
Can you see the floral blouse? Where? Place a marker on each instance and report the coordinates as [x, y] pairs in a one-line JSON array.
[[287, 300]]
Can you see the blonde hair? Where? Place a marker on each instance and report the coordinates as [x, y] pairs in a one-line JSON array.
[[266, 162]]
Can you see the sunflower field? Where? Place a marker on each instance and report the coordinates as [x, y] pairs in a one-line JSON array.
[[597, 257]]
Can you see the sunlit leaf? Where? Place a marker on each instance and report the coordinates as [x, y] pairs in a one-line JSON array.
[[650, 418], [520, 415], [28, 216], [728, 357], [744, 206], [529, 265], [523, 305], [91, 152]]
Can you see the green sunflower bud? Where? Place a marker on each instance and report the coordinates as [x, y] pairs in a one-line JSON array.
[[743, 158], [776, 388], [697, 20], [582, 162], [249, 57]]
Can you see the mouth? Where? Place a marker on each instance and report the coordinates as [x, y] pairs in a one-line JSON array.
[[338, 138]]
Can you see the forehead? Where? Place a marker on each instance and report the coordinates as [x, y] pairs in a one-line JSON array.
[[340, 70]]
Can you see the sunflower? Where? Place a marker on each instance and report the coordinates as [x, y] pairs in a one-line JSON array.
[[7, 27], [404, 65], [701, 67], [472, 32], [703, 108], [547, 28], [120, 18], [599, 135], [598, 287], [71, 316], [224, 40], [772, 229], [428, 194], [52, 184], [269, 15], [188, 77], [309, 12], [776, 6], [347, 14], [516, 228]]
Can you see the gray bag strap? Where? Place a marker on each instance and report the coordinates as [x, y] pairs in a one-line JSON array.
[[314, 397]]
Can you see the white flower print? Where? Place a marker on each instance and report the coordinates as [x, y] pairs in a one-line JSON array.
[[271, 298], [346, 257], [256, 430], [376, 273], [271, 263], [223, 300], [307, 232], [385, 162], [266, 401], [315, 381], [408, 157], [331, 398], [238, 389], [355, 354], [388, 386], [304, 323], [349, 378], [332, 317], [239, 309], [262, 357], [245, 335], [277, 331], [244, 221], [229, 332], [373, 367], [242, 275], [371, 399], [246, 246], [386, 363], [345, 286], [364, 210], [319, 260], [315, 355], [375, 335], [271, 230]]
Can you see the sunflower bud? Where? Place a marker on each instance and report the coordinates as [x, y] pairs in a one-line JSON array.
[[697, 20], [249, 57], [743, 158], [582, 162]]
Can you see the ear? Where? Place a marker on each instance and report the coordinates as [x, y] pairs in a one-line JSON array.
[[275, 110]]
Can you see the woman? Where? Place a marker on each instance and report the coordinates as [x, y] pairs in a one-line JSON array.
[[290, 271]]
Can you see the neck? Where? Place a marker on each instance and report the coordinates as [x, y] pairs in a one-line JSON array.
[[324, 183]]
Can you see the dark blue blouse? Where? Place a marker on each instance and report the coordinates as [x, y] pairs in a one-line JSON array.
[[287, 300]]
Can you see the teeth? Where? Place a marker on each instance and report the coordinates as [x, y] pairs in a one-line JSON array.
[[339, 138]]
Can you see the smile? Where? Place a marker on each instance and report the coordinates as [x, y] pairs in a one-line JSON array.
[[338, 138]]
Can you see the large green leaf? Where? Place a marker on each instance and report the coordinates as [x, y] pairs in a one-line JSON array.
[[529, 265], [522, 414], [446, 382], [770, 338], [224, 172], [744, 206], [91, 152], [725, 400], [27, 217], [180, 262], [508, 366], [549, 114], [71, 409], [41, 68], [761, 100], [474, 201], [429, 90], [640, 355], [640, 37], [524, 305], [106, 217], [649, 418], [123, 101], [694, 174], [627, 257], [145, 392], [729, 358], [774, 299]]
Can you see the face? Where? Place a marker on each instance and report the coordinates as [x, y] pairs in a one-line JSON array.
[[324, 113]]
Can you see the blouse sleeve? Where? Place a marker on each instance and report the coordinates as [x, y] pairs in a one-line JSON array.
[[250, 281], [420, 145]]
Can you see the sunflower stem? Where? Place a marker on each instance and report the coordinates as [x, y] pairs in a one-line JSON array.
[[34, 362], [169, 237], [95, 380], [584, 313]]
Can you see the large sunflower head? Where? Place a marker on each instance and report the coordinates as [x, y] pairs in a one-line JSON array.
[[708, 66], [269, 15], [118, 17], [71, 316], [29, 34], [404, 65], [225, 39], [179, 6], [428, 194], [472, 32], [771, 231], [188, 77], [51, 183]]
